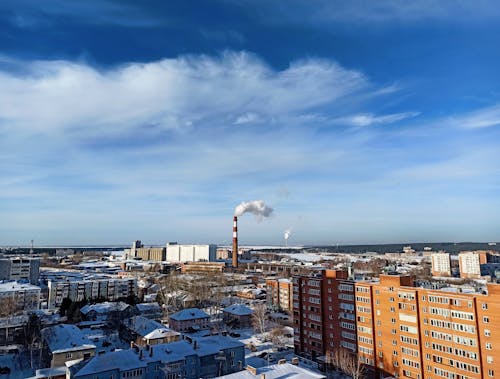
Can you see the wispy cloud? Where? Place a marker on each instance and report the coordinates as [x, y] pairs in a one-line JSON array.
[[367, 119], [481, 118]]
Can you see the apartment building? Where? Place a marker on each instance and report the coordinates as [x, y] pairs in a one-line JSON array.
[[18, 297], [279, 294], [323, 314], [20, 268], [441, 264], [410, 332], [470, 263], [401, 330], [109, 289]]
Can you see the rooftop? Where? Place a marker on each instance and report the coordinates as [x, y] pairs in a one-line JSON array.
[[239, 310], [64, 337], [277, 371], [189, 314]]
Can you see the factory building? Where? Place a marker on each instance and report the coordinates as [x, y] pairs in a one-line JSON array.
[[191, 253]]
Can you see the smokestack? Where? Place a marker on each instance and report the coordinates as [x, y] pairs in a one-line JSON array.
[[235, 242]]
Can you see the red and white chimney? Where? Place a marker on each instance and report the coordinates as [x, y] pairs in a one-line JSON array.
[[235, 242]]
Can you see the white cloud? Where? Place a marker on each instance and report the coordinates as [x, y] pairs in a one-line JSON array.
[[367, 119], [168, 94], [482, 118]]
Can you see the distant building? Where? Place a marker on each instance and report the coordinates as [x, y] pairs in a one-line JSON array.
[[19, 297], [152, 311], [190, 319], [12, 329], [470, 263], [20, 268], [63, 343], [202, 267], [191, 253], [441, 264], [279, 294], [106, 288], [207, 357], [237, 315], [151, 253]]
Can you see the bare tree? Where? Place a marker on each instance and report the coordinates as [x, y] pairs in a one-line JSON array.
[[8, 306], [347, 362], [278, 336], [259, 318]]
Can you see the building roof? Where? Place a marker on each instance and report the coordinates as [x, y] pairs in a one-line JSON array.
[[189, 314], [144, 326], [104, 308], [277, 371], [122, 360], [239, 310], [64, 337], [16, 286], [148, 307]]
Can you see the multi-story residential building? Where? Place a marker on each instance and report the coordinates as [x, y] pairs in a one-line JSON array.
[[323, 314], [410, 332], [18, 297], [441, 264], [109, 289], [421, 333], [470, 263], [20, 268], [279, 294]]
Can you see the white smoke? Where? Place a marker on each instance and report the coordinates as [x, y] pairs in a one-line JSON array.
[[256, 207], [287, 233]]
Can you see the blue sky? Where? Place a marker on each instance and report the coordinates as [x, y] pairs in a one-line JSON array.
[[358, 122]]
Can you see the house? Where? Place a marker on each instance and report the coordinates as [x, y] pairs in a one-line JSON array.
[[190, 319], [62, 343], [107, 310], [237, 315], [50, 373], [189, 359], [149, 310], [144, 331]]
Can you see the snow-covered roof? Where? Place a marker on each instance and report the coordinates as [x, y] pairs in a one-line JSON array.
[[148, 307], [144, 326], [285, 370], [64, 337], [123, 360], [239, 310], [161, 333], [103, 308], [189, 314], [16, 286]]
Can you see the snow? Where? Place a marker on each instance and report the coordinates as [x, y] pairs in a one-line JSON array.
[[64, 337], [122, 360], [285, 370], [189, 314], [238, 310]]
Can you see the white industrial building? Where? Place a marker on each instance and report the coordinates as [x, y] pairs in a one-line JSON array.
[[441, 264], [191, 253]]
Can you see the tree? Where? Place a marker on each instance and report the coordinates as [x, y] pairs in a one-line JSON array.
[[259, 318], [32, 334], [278, 337], [347, 362], [8, 306]]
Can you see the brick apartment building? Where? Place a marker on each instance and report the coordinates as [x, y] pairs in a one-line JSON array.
[[408, 332], [279, 293], [323, 313]]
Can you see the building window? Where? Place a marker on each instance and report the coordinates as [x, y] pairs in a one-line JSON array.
[[484, 306], [491, 373], [68, 355], [486, 319]]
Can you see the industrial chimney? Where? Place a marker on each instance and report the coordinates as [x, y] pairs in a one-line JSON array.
[[235, 242]]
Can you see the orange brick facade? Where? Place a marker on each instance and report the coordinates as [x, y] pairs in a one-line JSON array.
[[409, 332]]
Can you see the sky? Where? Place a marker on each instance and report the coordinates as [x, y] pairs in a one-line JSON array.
[[357, 121]]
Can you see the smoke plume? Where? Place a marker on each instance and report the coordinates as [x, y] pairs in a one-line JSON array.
[[256, 207], [287, 233]]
